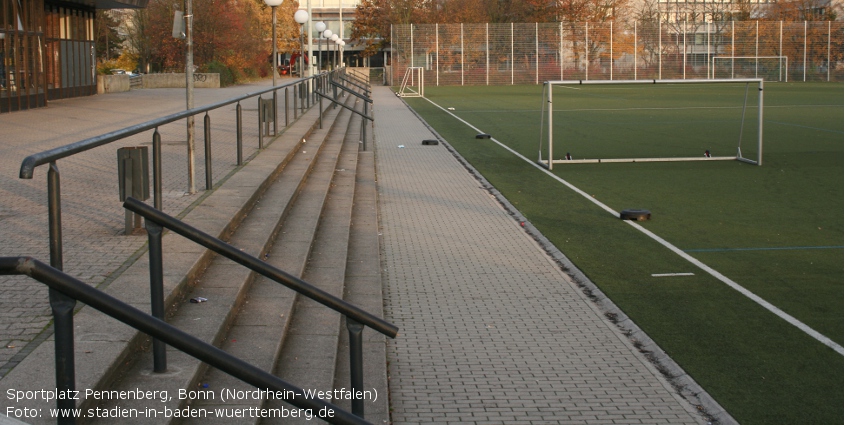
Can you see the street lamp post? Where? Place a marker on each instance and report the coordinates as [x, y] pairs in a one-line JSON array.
[[334, 55], [341, 43], [320, 26], [301, 17], [328, 35], [273, 4]]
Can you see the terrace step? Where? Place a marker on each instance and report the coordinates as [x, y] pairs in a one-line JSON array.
[[225, 284], [262, 326], [104, 346]]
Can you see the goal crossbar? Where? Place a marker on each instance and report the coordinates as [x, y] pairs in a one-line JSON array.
[[548, 102]]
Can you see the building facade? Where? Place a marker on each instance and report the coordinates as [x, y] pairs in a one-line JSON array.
[[47, 50]]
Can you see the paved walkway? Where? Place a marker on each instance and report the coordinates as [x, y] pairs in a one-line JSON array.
[[492, 332]]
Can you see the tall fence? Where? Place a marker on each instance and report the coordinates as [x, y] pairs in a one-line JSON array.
[[501, 54]]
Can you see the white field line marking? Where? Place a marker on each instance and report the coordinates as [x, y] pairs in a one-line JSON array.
[[765, 304], [671, 274]]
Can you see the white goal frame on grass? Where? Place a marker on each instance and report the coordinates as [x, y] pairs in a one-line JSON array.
[[413, 83], [783, 63], [548, 103]]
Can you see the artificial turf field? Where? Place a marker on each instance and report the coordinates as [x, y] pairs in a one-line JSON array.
[[775, 229]]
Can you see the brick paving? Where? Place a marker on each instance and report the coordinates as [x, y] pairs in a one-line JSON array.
[[492, 332], [92, 215]]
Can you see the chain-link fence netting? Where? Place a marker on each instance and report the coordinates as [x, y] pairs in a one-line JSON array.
[[497, 54]]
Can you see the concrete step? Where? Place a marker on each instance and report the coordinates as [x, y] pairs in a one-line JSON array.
[[309, 353], [104, 347], [260, 330], [225, 284], [364, 289]]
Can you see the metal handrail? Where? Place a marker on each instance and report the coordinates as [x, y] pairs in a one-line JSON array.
[[51, 156], [31, 162], [261, 267], [355, 83], [353, 92], [78, 290]]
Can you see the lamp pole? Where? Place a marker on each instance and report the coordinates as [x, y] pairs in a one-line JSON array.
[[301, 17], [328, 35], [334, 56], [320, 26], [273, 4]]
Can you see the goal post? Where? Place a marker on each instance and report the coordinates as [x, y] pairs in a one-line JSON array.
[[413, 84], [625, 122], [769, 68]]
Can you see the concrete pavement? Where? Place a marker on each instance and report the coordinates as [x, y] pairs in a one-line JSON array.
[[492, 331]]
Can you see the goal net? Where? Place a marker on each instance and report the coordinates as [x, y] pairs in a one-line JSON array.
[[651, 120], [412, 83], [768, 68]]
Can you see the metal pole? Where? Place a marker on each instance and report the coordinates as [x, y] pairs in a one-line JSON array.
[[805, 50], [154, 233], [61, 305], [275, 53], [275, 113], [260, 130], [239, 122], [189, 89], [364, 126], [157, 169], [760, 125], [54, 212], [551, 126], [356, 363], [587, 51], [207, 133], [287, 113]]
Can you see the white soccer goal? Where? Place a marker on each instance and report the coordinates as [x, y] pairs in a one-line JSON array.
[[768, 68], [413, 84], [628, 121]]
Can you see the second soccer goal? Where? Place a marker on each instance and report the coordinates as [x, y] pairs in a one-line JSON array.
[[651, 120]]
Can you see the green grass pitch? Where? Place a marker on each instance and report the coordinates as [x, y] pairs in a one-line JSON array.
[[776, 229]]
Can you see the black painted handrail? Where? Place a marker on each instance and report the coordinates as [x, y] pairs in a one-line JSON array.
[[261, 267], [78, 290]]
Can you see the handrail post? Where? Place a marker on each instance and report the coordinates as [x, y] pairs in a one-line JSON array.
[[154, 234], [287, 123], [260, 130], [321, 113], [295, 108], [157, 169], [356, 364], [62, 307], [275, 113], [239, 120], [54, 213], [302, 97], [207, 130], [364, 126]]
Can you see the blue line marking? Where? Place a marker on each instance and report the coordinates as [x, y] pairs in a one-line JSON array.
[[762, 249]]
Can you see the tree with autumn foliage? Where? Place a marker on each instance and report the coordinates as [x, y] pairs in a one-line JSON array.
[[374, 18], [234, 33]]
